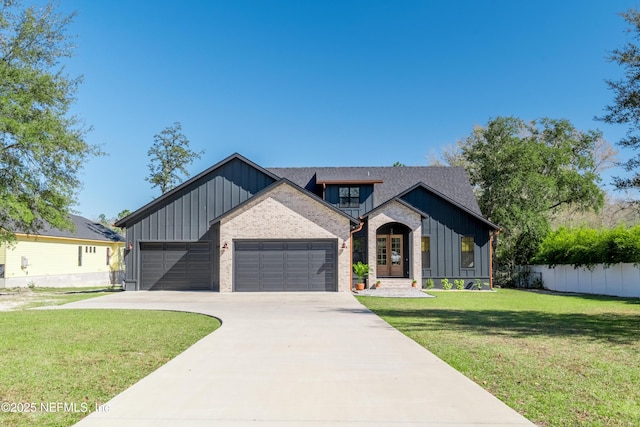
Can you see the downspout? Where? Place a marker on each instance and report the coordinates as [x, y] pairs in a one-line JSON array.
[[351, 253], [491, 236]]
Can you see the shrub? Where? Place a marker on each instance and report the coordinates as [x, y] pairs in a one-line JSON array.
[[361, 271], [582, 247], [459, 284], [428, 284], [446, 284]]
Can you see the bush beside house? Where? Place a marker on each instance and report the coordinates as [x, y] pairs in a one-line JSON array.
[[584, 247], [583, 260]]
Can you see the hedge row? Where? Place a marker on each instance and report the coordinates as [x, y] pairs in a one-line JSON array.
[[584, 247]]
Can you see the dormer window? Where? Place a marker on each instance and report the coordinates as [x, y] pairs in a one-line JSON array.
[[349, 197]]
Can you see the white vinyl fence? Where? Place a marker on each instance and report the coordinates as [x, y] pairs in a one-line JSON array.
[[622, 280]]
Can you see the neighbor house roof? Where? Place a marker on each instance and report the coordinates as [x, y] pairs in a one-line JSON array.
[[390, 181], [85, 229]]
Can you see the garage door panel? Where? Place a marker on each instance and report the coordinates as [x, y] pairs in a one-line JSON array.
[[297, 246], [199, 259], [301, 256], [289, 265], [272, 256], [271, 246], [175, 265]]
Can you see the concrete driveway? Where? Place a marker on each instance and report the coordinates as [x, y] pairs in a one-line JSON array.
[[295, 359]]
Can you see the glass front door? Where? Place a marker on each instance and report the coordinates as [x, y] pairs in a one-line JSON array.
[[389, 256]]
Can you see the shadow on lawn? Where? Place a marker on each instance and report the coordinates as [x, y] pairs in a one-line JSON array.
[[606, 327], [590, 297]]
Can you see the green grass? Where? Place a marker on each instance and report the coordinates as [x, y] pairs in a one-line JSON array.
[[85, 356], [559, 360]]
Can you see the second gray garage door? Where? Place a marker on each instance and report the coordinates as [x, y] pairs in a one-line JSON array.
[[287, 265], [175, 266]]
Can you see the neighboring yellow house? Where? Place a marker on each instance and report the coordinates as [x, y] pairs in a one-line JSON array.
[[92, 255]]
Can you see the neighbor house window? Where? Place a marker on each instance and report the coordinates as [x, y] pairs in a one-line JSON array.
[[349, 197], [79, 256], [108, 256], [426, 252], [466, 260]]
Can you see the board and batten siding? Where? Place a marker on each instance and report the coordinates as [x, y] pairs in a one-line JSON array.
[[186, 215], [446, 225], [332, 195]]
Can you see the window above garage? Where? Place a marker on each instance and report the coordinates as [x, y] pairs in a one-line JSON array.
[[349, 197]]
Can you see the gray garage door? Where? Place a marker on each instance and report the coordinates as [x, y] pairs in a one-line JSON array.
[[289, 265], [175, 265]]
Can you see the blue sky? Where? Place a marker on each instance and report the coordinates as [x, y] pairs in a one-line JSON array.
[[326, 83]]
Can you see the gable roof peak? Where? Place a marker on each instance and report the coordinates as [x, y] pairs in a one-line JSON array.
[[235, 156]]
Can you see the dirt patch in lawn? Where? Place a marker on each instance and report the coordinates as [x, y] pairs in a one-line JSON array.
[[12, 299], [20, 298]]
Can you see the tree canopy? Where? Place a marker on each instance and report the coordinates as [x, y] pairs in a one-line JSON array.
[[108, 222], [523, 171], [170, 154], [42, 147], [625, 108]]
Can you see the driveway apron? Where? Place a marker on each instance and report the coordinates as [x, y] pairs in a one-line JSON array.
[[309, 359]]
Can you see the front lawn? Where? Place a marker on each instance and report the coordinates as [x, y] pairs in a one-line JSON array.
[[559, 360], [83, 358]]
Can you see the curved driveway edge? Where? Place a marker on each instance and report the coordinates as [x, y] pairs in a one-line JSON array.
[[295, 359]]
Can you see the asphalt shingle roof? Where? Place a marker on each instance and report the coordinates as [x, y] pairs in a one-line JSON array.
[[452, 182], [84, 229]]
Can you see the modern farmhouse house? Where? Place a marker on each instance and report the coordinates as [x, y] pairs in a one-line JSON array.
[[239, 227]]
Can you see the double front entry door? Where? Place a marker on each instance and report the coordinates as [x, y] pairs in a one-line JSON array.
[[389, 256]]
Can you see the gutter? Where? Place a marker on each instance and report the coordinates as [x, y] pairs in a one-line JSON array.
[[354, 231]]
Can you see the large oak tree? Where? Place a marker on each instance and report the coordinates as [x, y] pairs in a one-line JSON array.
[[42, 146], [625, 108], [524, 171]]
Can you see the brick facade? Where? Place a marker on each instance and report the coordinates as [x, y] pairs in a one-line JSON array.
[[284, 213], [396, 212]]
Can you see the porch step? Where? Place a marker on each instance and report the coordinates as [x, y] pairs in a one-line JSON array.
[[393, 283]]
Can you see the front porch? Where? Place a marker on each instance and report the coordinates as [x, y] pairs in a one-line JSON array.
[[393, 235]]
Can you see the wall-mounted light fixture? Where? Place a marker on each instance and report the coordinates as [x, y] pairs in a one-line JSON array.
[[225, 246], [130, 246], [344, 245]]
